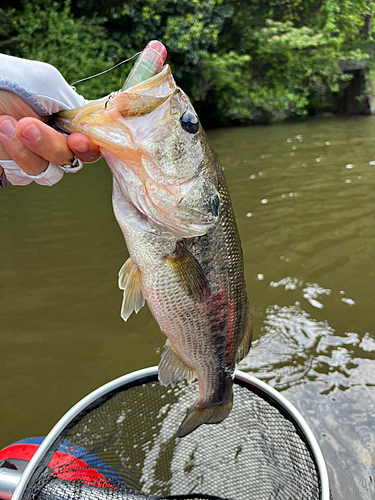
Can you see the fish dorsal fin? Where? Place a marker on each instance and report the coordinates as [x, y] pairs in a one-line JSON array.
[[244, 347], [129, 281], [171, 367], [189, 273]]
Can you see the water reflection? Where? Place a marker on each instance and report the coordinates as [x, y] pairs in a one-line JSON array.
[[328, 377], [294, 347], [304, 198]]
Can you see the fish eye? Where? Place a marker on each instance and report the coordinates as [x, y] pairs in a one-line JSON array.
[[189, 122]]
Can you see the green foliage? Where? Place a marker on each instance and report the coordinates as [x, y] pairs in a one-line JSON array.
[[239, 60], [345, 18], [5, 25], [298, 61], [226, 76], [78, 47], [186, 27], [293, 62]]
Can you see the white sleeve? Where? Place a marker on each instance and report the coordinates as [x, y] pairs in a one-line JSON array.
[[42, 87], [15, 175]]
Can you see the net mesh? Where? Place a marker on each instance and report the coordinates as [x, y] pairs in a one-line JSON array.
[[124, 446]]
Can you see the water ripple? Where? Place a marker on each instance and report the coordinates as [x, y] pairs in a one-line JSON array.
[[329, 377]]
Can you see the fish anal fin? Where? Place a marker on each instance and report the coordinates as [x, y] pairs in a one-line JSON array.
[[129, 281], [197, 416], [171, 367], [244, 347], [189, 273]]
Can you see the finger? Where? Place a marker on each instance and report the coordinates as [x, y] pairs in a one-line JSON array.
[[83, 147], [30, 162], [44, 141], [3, 154]]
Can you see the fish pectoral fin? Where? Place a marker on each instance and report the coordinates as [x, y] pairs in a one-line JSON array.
[[244, 347], [171, 367], [129, 281], [189, 273], [197, 416]]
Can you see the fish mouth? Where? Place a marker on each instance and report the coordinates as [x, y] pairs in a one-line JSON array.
[[136, 101], [80, 114], [108, 121], [111, 122]]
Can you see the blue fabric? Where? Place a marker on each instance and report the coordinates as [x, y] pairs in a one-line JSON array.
[[33, 440], [83, 454], [91, 459]]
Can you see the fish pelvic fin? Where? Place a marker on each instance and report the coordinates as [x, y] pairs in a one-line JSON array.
[[189, 272], [244, 347], [129, 281], [172, 369], [197, 416]]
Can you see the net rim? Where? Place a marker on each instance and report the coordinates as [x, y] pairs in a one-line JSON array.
[[151, 373], [299, 419]]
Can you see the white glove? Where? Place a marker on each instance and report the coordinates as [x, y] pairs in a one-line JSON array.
[[46, 91]]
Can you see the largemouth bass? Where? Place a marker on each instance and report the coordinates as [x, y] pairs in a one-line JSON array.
[[172, 203]]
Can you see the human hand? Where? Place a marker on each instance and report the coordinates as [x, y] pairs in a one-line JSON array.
[[32, 144], [30, 150]]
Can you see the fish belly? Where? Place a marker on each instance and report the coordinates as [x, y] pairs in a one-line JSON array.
[[204, 333]]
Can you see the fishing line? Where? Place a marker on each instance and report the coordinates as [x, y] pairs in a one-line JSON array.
[[105, 71]]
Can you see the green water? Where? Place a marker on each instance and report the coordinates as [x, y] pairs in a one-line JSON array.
[[304, 198]]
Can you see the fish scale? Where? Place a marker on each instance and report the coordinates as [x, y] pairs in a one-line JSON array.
[[172, 204]]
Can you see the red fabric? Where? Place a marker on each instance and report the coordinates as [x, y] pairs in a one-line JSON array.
[[19, 451], [64, 465]]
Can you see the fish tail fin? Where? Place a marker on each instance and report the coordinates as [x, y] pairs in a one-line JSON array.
[[197, 416]]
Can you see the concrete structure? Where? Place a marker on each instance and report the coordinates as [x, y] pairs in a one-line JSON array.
[[357, 98]]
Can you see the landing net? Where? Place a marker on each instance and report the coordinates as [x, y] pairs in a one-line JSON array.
[[122, 445]]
